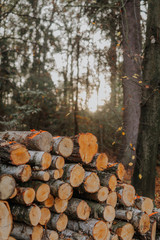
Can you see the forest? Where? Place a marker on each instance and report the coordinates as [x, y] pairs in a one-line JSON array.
[[77, 66]]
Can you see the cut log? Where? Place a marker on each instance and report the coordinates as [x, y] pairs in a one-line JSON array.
[[57, 162], [42, 190], [156, 216], [61, 189], [151, 234], [99, 162], [5, 220], [95, 228], [11, 238], [40, 160], [67, 233], [40, 175], [21, 173], [116, 169], [91, 183], [108, 180], [13, 153], [78, 209], [112, 199], [63, 146], [85, 147], [61, 172], [54, 174], [45, 216], [140, 221], [73, 174], [124, 230], [29, 215], [100, 211], [22, 231], [125, 194], [58, 222], [50, 235], [7, 186], [33, 140], [59, 205], [49, 202], [24, 196], [144, 204], [99, 196], [123, 214], [14, 194], [113, 237]]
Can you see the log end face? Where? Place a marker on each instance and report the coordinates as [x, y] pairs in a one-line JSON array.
[[62, 222], [109, 213], [42, 192], [66, 147], [60, 162], [45, 216], [83, 210], [147, 206], [103, 194], [60, 205], [5, 220], [77, 175], [92, 183], [144, 224], [100, 231], [126, 232], [112, 199], [41, 141], [128, 195], [46, 160], [26, 173], [7, 186], [19, 154], [37, 233], [65, 191], [49, 202], [29, 196], [121, 171], [102, 162], [35, 215], [112, 183]]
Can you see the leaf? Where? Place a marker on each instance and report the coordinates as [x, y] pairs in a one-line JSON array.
[[140, 81], [140, 176], [123, 133], [123, 108], [113, 143], [119, 129], [130, 164], [133, 157], [119, 33]]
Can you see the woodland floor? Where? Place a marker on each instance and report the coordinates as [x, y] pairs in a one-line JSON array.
[[157, 190]]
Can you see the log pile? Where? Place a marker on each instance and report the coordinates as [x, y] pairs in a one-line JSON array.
[[62, 188]]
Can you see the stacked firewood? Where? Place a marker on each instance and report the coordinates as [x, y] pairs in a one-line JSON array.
[[61, 188]]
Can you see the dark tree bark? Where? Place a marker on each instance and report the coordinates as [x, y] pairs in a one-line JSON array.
[[132, 77], [147, 146]]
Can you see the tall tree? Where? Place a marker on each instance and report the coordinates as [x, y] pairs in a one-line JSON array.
[[144, 174], [132, 76]]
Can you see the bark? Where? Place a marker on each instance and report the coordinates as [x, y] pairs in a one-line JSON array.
[[41, 175], [78, 209], [67, 233], [148, 139], [132, 75], [73, 174], [50, 235], [140, 221], [123, 214], [124, 230], [63, 146], [99, 196], [40, 160], [24, 196], [108, 180], [21, 173], [6, 220], [13, 153], [58, 222], [57, 162], [33, 140], [22, 231], [7, 186], [54, 174], [29, 215], [61, 189], [99, 162]]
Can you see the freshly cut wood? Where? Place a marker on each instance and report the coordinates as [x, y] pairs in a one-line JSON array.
[[59, 205], [33, 140], [54, 174], [40, 175], [95, 228], [108, 180], [13, 153], [126, 194], [49, 202], [124, 214], [14, 194], [22, 231], [140, 221], [113, 237], [73, 174], [40, 160], [144, 204], [45, 216], [67, 233], [99, 196], [50, 235], [21, 173], [11, 238], [91, 183], [24, 195], [29, 215], [61, 172], [42, 190], [156, 216], [5, 220], [61, 189], [124, 230], [78, 209], [63, 146], [151, 234], [100, 211], [57, 162], [58, 222], [117, 169], [112, 199], [99, 162], [85, 147], [7, 186]]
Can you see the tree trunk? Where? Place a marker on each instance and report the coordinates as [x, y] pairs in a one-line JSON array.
[[132, 77], [148, 139]]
